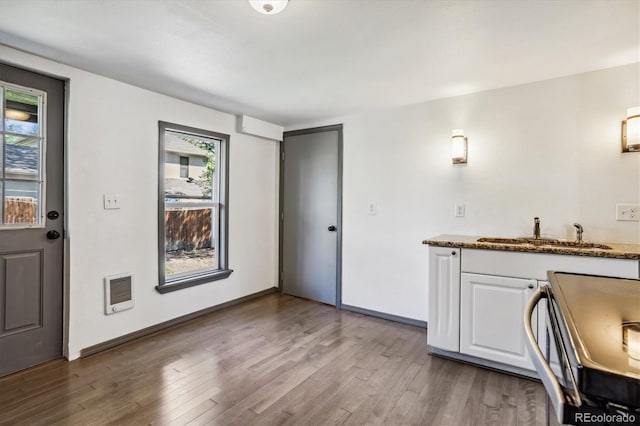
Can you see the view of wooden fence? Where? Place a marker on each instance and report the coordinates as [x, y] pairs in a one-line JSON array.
[[188, 229], [185, 229], [20, 210]]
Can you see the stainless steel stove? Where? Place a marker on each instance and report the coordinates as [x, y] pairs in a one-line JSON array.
[[591, 369]]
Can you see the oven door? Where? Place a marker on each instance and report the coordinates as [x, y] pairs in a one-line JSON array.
[[553, 366]]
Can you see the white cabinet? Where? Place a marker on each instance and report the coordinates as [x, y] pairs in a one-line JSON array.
[[491, 326], [477, 299], [444, 298]]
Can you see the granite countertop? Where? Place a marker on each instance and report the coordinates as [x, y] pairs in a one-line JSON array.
[[616, 250]]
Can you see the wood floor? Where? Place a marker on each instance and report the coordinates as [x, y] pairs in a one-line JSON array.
[[272, 360]]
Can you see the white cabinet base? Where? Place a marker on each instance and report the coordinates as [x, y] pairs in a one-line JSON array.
[[473, 360], [476, 308], [443, 328], [491, 325]]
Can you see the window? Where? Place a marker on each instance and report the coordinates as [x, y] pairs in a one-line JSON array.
[[192, 232], [184, 167], [22, 145]]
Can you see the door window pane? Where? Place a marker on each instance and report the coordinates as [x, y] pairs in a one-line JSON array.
[[22, 157], [21, 202], [22, 112], [21, 148]]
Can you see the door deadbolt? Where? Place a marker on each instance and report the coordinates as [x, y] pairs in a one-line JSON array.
[[53, 215]]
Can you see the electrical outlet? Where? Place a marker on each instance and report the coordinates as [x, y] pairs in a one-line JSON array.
[[111, 201], [372, 208], [459, 210], [628, 212]]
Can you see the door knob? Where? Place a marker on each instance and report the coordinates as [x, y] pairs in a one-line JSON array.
[[332, 228], [53, 235]]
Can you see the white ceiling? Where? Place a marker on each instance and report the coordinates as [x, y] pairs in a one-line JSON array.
[[325, 58]]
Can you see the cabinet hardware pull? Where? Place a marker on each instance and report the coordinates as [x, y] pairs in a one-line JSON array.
[[453, 253], [530, 286]]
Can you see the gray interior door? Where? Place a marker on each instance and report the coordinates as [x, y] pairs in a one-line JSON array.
[[311, 214], [31, 221]]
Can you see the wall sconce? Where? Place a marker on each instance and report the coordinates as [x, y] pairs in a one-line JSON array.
[[631, 342], [631, 130], [458, 146]]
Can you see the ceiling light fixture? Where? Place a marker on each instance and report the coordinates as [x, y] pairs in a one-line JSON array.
[[14, 114], [269, 7]]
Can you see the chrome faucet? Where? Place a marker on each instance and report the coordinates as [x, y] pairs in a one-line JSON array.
[[579, 231], [536, 227]]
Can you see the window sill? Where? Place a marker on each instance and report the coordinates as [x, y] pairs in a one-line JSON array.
[[193, 281]]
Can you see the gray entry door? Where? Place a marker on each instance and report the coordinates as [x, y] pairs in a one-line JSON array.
[[311, 214], [31, 218]]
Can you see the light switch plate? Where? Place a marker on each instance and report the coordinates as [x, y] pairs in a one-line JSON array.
[[459, 210], [111, 201], [628, 212]]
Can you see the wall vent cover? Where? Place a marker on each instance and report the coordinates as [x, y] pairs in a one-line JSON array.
[[118, 293]]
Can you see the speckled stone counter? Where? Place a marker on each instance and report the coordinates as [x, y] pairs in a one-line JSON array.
[[617, 250]]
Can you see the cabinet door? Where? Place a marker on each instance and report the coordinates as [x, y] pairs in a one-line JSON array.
[[444, 298], [491, 318]]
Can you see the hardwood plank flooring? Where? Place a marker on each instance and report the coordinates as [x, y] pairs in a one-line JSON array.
[[276, 360]]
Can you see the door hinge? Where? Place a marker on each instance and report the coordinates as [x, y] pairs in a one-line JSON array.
[[282, 156], [282, 216]]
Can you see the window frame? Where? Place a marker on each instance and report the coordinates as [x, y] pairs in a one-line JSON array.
[[222, 211], [41, 180]]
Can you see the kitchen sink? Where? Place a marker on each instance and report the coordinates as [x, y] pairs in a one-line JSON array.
[[545, 242], [581, 244], [503, 240]]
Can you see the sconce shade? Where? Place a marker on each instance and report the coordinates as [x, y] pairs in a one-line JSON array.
[[269, 7], [631, 339], [631, 130], [458, 146]]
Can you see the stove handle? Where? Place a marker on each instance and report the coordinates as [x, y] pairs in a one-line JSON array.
[[549, 380]]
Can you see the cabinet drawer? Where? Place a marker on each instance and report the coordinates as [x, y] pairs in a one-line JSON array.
[[536, 265]]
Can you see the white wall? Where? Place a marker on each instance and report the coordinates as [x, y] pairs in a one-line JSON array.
[[549, 149], [112, 147]]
